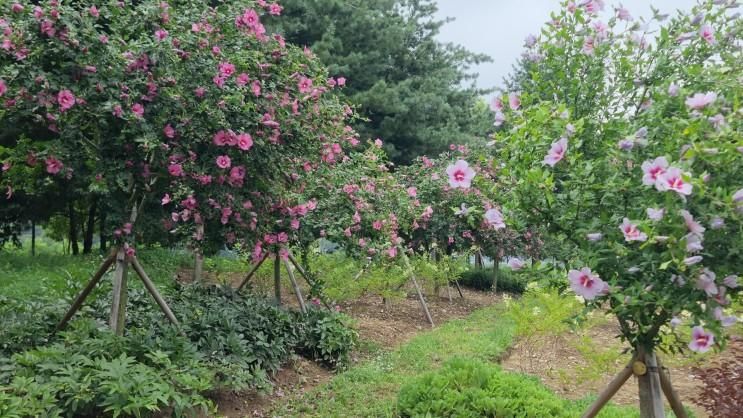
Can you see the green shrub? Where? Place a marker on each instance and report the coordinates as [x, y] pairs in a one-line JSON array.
[[465, 388], [484, 279], [326, 336]]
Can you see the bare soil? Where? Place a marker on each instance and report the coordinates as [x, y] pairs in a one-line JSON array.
[[561, 366]]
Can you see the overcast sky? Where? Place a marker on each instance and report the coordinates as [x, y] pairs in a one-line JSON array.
[[498, 27]]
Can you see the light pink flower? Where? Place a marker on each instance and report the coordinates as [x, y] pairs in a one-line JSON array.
[[223, 161], [589, 45], [500, 118], [65, 99], [412, 191], [725, 321], [624, 14], [53, 165], [494, 219], [655, 214], [460, 174], [594, 236], [673, 89], [244, 141], [274, 9], [738, 196], [305, 85], [556, 153], [693, 226], [496, 104], [690, 261], [701, 340], [3, 87], [165, 200], [731, 282], [706, 282], [631, 232], [587, 284], [707, 33], [700, 100], [94, 11], [673, 179], [653, 169], [516, 264], [226, 69], [693, 243], [514, 101]]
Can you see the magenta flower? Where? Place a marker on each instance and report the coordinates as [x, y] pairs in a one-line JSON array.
[[53, 165], [516, 264], [138, 110], [701, 340], [653, 169], [707, 33], [514, 101], [176, 170], [223, 161], [244, 141], [631, 232], [274, 9], [168, 131], [655, 214], [226, 69], [700, 100], [242, 79], [94, 11], [460, 174], [673, 179], [494, 219], [165, 200], [556, 153], [65, 99], [587, 284], [3, 87], [161, 34]]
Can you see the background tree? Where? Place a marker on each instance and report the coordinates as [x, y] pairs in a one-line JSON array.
[[417, 93]]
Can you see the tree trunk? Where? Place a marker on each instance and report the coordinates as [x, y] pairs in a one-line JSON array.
[[33, 238], [277, 279], [102, 230], [73, 229], [651, 395], [496, 269], [478, 260], [90, 228], [198, 266]]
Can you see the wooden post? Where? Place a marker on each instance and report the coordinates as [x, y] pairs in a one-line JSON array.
[[252, 272], [651, 399], [33, 238], [297, 290], [306, 278], [671, 395], [417, 288], [496, 270], [277, 279], [198, 265], [459, 289], [118, 306], [86, 291], [153, 291], [610, 390]]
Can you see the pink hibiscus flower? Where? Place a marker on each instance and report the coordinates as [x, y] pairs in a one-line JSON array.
[[226, 69], [707, 33], [138, 110], [673, 179], [244, 141], [176, 170], [556, 153], [223, 161], [693, 226], [494, 219], [701, 340], [516, 264], [161, 34], [460, 174], [706, 282], [653, 169], [53, 165], [514, 101], [700, 100], [631, 232], [66, 100], [587, 284], [305, 85], [3, 87], [655, 214], [168, 131]]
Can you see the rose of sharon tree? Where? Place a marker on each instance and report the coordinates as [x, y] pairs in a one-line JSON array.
[[192, 106], [629, 148]]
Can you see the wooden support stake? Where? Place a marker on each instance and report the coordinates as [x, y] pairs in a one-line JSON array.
[[198, 267], [671, 395], [118, 306], [155, 294], [306, 278], [277, 279], [86, 291], [459, 289], [252, 272], [651, 397], [297, 290], [417, 288], [448, 292], [611, 390]]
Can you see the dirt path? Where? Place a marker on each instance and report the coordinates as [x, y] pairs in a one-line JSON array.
[[384, 327], [575, 373]]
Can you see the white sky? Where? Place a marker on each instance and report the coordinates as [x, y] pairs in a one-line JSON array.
[[498, 27]]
